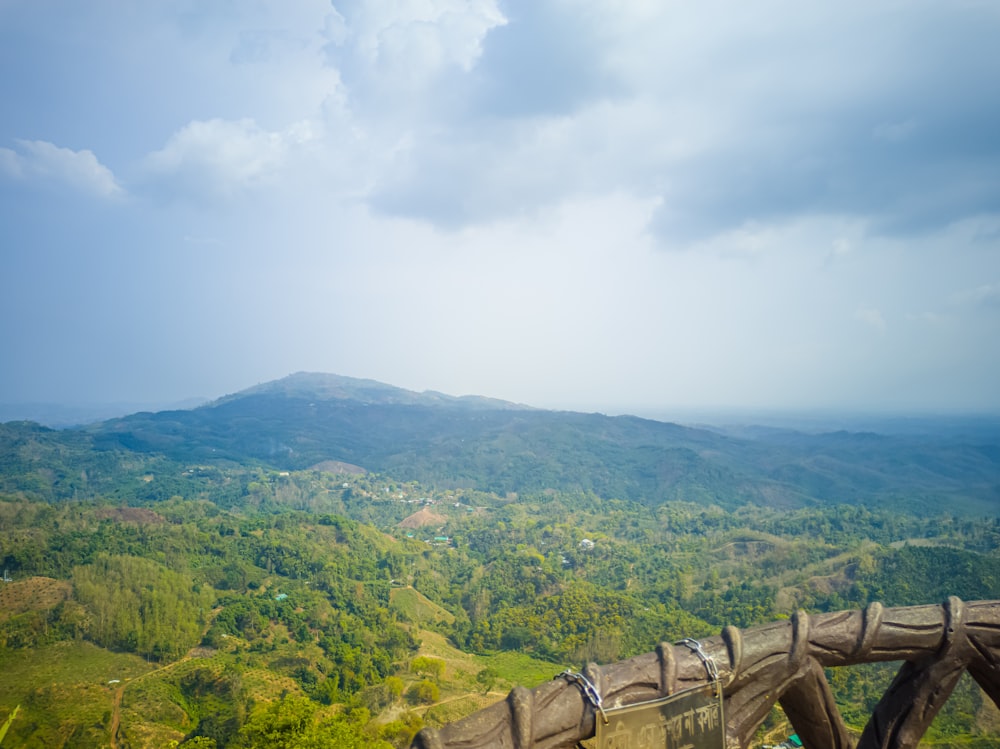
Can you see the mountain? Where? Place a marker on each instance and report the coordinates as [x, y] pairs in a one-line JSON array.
[[323, 387], [492, 445]]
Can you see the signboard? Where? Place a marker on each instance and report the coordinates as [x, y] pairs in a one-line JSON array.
[[691, 719]]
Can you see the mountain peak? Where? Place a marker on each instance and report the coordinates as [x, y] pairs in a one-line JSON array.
[[322, 386]]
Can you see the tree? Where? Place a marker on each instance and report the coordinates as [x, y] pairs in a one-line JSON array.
[[141, 606], [487, 678], [425, 692], [423, 664], [200, 742], [280, 725], [395, 686]]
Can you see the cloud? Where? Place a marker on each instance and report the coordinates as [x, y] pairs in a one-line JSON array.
[[39, 160], [726, 117], [376, 72], [548, 59], [219, 158], [401, 57]]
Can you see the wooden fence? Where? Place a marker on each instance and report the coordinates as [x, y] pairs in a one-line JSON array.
[[781, 662]]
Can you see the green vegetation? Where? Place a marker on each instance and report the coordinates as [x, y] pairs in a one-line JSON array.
[[140, 606], [173, 586], [6, 724], [207, 620]]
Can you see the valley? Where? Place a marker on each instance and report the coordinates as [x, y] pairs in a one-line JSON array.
[[274, 573]]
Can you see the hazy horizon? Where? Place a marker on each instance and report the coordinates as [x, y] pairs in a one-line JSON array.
[[63, 415]]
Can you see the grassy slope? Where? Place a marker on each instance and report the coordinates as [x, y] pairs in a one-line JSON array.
[[64, 692], [416, 607], [461, 694]]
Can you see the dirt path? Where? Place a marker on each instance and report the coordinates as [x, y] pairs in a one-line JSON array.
[[455, 698], [116, 716]]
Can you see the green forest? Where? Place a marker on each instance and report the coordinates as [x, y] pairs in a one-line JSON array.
[[155, 600]]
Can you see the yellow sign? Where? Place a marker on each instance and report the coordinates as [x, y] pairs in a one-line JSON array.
[[691, 719]]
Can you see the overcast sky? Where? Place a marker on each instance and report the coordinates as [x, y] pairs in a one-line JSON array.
[[601, 204]]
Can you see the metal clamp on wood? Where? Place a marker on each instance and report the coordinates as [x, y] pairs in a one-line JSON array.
[[711, 669], [589, 690]]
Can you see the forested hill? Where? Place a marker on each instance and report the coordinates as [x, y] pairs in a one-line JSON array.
[[501, 447]]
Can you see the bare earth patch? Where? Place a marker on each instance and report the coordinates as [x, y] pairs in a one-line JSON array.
[[337, 467], [33, 594], [423, 518]]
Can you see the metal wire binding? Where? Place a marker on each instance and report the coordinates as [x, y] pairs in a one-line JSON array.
[[589, 690], [709, 661]]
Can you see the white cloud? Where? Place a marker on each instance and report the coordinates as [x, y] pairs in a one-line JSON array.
[[415, 38], [45, 162], [405, 63], [218, 158], [372, 75]]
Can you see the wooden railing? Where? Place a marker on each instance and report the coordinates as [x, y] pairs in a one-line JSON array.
[[781, 662]]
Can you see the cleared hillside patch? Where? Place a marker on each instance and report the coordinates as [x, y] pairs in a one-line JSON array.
[[415, 607], [32, 594], [65, 692]]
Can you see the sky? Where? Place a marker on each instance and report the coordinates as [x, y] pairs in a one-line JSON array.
[[604, 205]]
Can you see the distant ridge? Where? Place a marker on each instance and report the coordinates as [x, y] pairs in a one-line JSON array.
[[60, 416], [308, 418], [321, 386]]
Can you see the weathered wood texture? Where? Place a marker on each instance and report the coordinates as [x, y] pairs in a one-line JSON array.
[[780, 662]]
